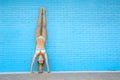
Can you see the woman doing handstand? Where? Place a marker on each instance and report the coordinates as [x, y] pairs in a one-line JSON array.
[[40, 43]]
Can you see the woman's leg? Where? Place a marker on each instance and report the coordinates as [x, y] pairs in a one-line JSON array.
[[39, 23], [46, 60], [44, 24]]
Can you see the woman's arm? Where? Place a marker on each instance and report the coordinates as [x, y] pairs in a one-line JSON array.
[[32, 65], [47, 65]]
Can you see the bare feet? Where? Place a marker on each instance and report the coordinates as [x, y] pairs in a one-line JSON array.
[[41, 11], [44, 11]]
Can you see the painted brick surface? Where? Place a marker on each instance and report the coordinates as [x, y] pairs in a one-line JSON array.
[[82, 35]]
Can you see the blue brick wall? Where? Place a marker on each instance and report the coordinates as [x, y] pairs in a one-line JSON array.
[[82, 34]]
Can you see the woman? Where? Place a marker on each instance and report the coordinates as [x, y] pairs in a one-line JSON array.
[[40, 43]]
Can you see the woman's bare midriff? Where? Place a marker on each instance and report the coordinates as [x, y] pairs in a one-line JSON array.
[[40, 43]]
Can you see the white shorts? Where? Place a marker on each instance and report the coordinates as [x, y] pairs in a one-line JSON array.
[[40, 50]]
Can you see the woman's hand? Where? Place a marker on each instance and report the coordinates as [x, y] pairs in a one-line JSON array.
[[48, 71], [31, 72]]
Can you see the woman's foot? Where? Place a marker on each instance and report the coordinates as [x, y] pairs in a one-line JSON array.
[[44, 11], [41, 11]]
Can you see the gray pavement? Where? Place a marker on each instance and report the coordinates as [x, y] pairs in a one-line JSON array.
[[62, 76]]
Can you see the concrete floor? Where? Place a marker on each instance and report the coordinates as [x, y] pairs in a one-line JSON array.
[[62, 76]]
